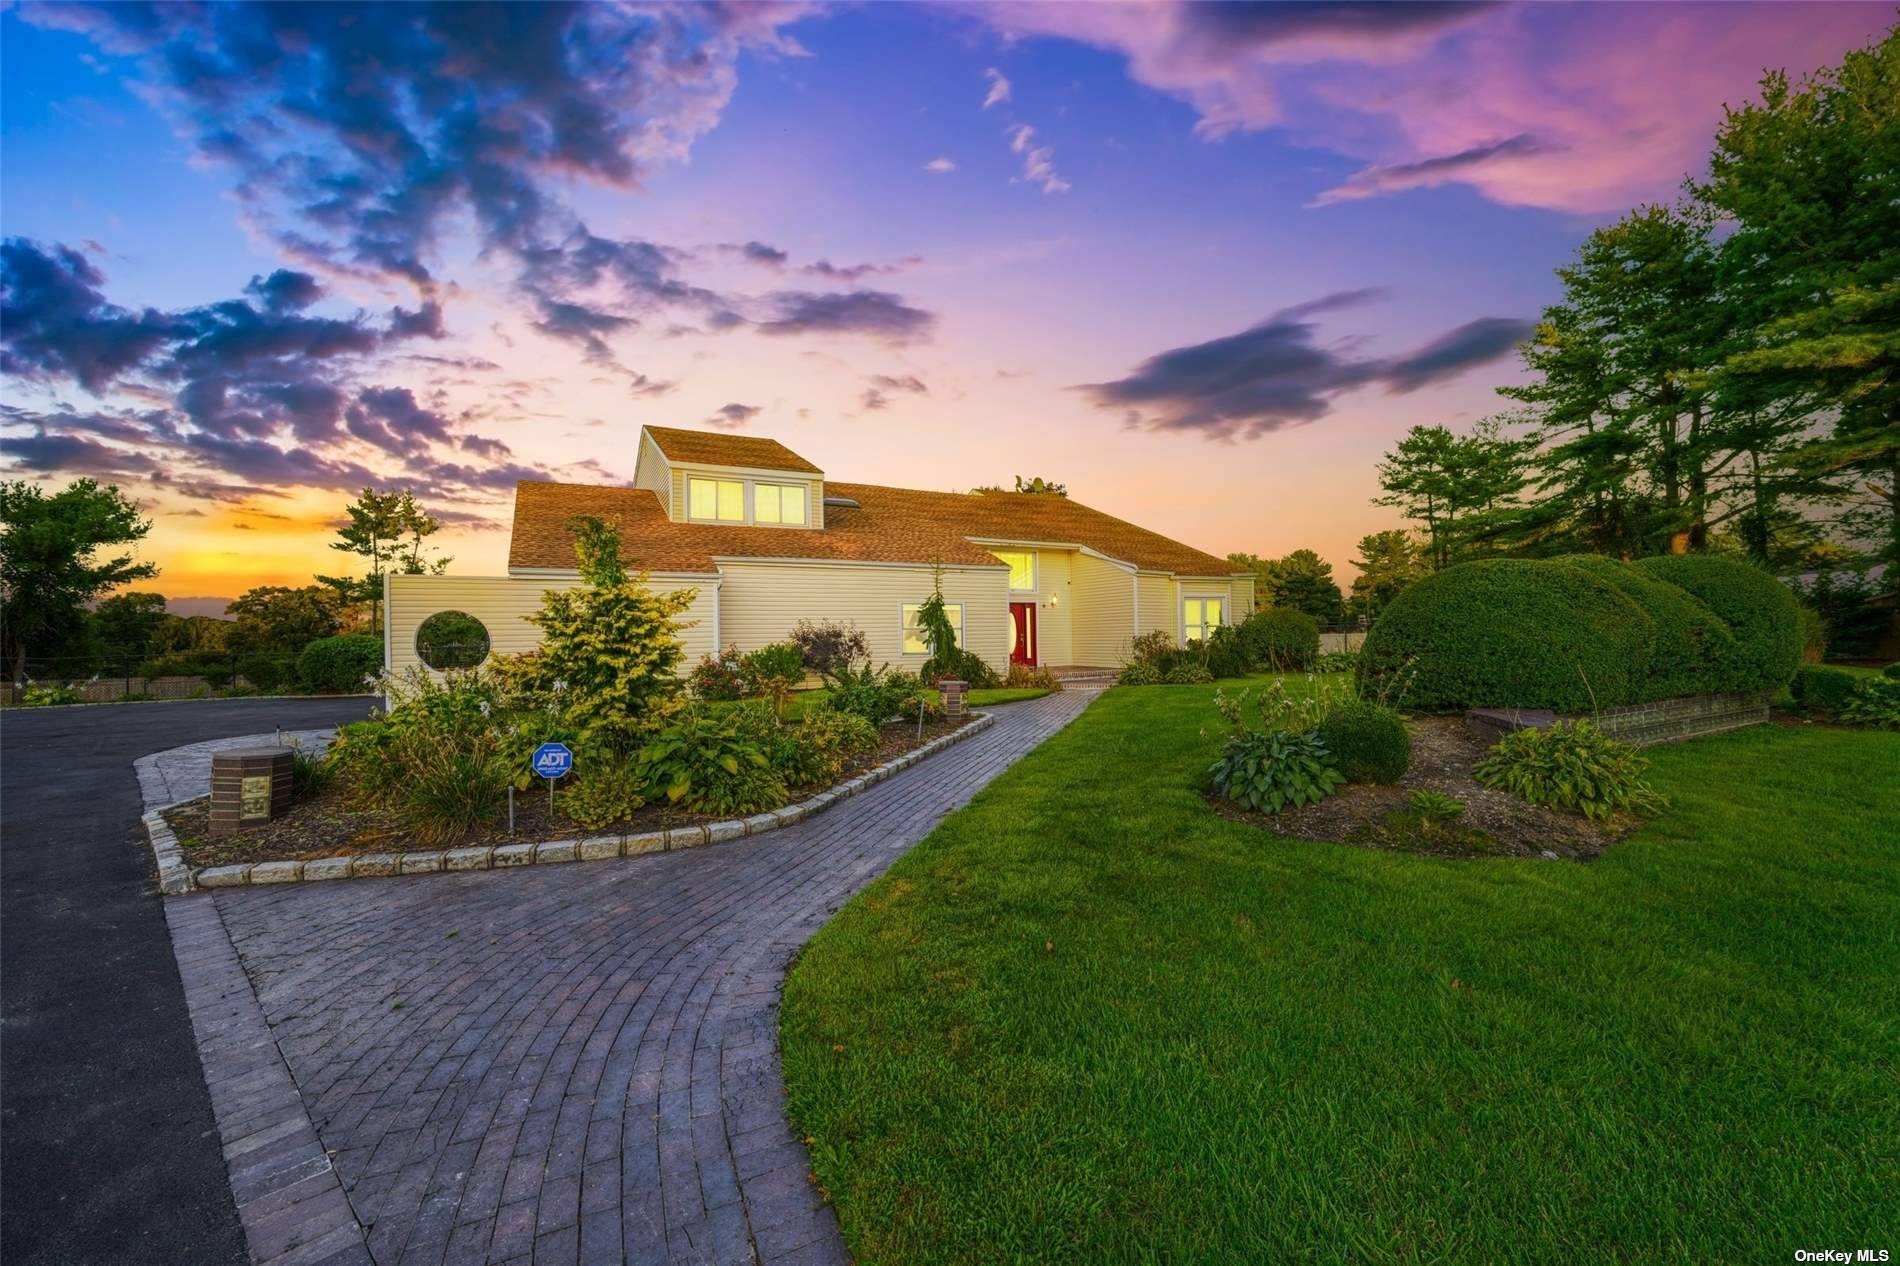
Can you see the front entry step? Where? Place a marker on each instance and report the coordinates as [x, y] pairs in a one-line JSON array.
[[1085, 675]]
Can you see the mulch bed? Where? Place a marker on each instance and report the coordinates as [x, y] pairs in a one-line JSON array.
[[1493, 824], [329, 825]]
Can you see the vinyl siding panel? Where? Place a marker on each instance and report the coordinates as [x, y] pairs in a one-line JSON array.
[[760, 602], [503, 605], [1055, 607], [1102, 613], [650, 472], [1243, 599], [1158, 608], [814, 492]]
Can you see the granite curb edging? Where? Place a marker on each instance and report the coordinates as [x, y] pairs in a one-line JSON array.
[[176, 877]]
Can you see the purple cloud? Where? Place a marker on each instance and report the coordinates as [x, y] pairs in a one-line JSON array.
[[873, 313]]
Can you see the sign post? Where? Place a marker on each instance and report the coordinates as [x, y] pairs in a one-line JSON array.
[[552, 761]]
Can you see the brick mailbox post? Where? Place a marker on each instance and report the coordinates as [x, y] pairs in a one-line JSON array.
[[956, 698], [248, 785]]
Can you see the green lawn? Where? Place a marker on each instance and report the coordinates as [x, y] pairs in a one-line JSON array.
[[1089, 1021], [796, 705]]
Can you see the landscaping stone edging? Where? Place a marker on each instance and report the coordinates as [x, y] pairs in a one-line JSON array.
[[177, 877]]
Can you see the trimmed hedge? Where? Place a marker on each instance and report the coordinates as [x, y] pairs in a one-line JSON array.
[[340, 663], [1281, 638], [1689, 636], [1512, 633], [1760, 611], [1367, 742], [1823, 689]]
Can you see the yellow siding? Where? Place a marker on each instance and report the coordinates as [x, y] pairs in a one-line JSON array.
[[1055, 607], [760, 602], [1102, 614], [1243, 599], [1158, 606], [814, 492], [650, 472], [503, 603]]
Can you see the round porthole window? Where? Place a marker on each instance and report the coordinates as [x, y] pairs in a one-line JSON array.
[[452, 639]]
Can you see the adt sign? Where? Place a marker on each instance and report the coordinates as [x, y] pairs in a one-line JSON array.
[[551, 760]]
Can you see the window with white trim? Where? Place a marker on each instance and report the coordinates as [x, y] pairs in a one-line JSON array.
[[779, 503], [1199, 617], [1022, 569], [721, 500], [913, 633]]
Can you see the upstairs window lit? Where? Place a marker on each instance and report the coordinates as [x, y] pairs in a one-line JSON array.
[[779, 503], [722, 500], [1022, 569]]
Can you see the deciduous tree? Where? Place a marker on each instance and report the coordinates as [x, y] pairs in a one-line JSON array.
[[51, 562]]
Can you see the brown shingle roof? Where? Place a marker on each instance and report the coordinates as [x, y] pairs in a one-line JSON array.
[[709, 448], [889, 525]]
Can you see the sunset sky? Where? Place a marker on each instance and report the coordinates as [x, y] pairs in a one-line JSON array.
[[1200, 263]]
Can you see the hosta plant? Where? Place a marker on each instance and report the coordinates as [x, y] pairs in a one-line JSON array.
[[1875, 703], [703, 764], [1572, 765], [1267, 771]]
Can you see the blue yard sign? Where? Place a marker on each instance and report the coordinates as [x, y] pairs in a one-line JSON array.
[[551, 760]]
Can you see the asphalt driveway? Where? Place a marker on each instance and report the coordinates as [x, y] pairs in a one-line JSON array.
[[108, 1152]]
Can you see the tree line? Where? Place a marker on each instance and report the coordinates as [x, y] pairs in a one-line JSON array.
[[64, 553]]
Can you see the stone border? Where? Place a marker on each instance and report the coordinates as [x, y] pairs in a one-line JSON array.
[[176, 877]]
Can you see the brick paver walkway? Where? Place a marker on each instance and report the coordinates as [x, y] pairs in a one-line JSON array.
[[574, 1063]]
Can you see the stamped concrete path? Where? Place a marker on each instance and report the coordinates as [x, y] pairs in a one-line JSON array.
[[552, 1064]]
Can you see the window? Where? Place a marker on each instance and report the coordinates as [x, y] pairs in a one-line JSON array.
[[721, 499], [778, 503], [1022, 569], [1199, 616], [914, 643]]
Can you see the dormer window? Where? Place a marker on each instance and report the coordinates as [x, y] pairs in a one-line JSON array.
[[720, 500], [779, 503]]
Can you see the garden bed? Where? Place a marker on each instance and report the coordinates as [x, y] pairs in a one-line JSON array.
[[1494, 823], [330, 825]]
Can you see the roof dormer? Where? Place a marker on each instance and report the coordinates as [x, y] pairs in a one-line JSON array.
[[709, 477]]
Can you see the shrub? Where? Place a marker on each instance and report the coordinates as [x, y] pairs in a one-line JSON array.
[[1189, 673], [814, 753], [1571, 765], [957, 664], [448, 789], [48, 696], [1434, 806], [1760, 611], [1139, 674], [341, 663], [1223, 653], [1264, 772], [723, 678], [1280, 638], [917, 706], [701, 763], [1023, 677], [214, 666], [1152, 648], [1823, 689], [775, 670], [309, 773], [1693, 644], [268, 672], [872, 693], [828, 646], [1813, 634], [1875, 704], [1511, 633], [1891, 671], [608, 788], [452, 639], [1336, 662], [1367, 742]]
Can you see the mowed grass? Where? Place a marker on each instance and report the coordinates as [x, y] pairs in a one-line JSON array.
[[1089, 1021]]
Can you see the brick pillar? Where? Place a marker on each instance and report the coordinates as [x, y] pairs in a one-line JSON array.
[[248, 785], [956, 698]]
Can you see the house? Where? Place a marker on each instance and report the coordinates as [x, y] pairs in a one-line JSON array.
[[766, 539]]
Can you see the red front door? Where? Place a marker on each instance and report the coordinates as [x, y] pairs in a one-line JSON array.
[[1022, 646]]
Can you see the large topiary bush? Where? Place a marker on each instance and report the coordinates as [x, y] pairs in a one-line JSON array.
[[1510, 633], [1760, 611], [1694, 647], [340, 663], [1280, 638]]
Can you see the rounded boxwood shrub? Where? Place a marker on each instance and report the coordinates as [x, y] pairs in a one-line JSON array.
[[340, 663], [1760, 611], [1693, 644], [1368, 742], [1823, 689], [1511, 633], [1280, 638]]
